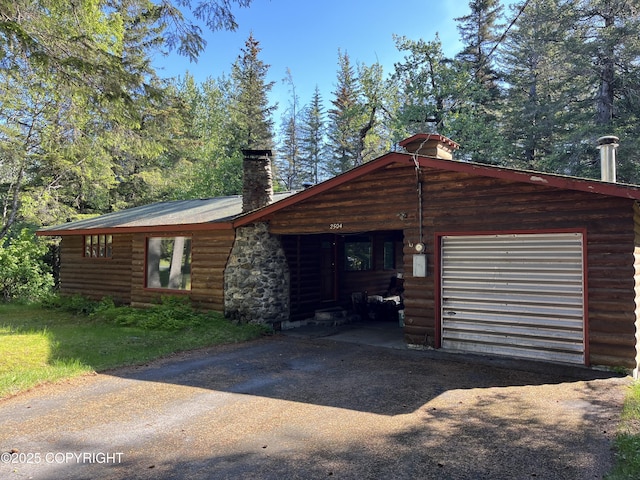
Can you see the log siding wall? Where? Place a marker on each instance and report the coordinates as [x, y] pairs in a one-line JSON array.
[[636, 221], [96, 277], [385, 200], [304, 265], [122, 276], [210, 252]]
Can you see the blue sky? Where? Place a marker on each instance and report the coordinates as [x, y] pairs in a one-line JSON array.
[[305, 36]]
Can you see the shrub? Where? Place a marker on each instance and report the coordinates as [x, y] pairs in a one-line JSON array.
[[76, 304], [23, 272], [172, 313]]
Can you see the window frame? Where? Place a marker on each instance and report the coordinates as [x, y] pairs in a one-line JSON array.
[[386, 255], [186, 262], [358, 239], [97, 246]]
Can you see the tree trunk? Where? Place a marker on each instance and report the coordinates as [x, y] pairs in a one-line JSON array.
[[175, 271], [605, 96], [154, 253]]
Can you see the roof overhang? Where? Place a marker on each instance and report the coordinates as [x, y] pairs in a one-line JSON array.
[[413, 161], [535, 178], [188, 227]]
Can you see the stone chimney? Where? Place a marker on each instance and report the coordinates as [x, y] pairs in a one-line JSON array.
[[257, 183], [430, 145], [256, 277], [607, 146]]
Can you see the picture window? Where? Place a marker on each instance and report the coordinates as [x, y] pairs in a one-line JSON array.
[[169, 263]]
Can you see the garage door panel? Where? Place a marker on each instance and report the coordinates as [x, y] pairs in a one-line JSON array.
[[517, 297], [514, 274], [533, 319], [528, 319], [544, 311], [507, 330], [513, 341], [510, 286], [515, 294], [518, 352]]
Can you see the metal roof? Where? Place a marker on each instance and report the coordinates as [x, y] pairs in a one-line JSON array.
[[161, 215]]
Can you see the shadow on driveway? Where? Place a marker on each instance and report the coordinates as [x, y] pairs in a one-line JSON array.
[[287, 407]]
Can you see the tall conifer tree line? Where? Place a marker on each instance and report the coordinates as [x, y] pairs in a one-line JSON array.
[[535, 83]]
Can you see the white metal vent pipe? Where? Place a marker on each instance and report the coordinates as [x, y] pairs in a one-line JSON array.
[[607, 146]]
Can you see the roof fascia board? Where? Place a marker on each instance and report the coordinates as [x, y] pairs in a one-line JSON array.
[[536, 178], [193, 227]]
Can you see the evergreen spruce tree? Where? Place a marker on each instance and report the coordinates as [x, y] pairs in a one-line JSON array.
[[479, 37], [374, 137], [539, 93], [252, 114], [428, 87], [288, 163], [201, 159], [76, 41], [312, 141], [475, 123], [605, 49], [343, 127]]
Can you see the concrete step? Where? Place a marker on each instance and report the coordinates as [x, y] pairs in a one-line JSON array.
[[328, 317], [329, 314]]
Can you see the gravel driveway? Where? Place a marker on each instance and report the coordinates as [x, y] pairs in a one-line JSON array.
[[285, 407]]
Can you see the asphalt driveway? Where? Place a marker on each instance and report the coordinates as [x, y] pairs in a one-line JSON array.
[[286, 407]]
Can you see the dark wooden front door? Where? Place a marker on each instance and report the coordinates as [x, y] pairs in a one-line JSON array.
[[328, 290]]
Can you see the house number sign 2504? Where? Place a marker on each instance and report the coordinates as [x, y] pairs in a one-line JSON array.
[[335, 226]]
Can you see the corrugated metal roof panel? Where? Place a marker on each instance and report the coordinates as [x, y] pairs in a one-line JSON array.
[[177, 212]]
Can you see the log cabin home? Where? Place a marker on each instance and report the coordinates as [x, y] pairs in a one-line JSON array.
[[490, 260]]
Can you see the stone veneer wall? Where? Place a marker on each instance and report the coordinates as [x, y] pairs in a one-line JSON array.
[[256, 278]]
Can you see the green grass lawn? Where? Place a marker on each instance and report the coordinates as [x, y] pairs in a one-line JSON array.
[[627, 441], [39, 345]]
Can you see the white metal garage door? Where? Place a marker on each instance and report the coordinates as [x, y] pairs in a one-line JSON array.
[[520, 295]]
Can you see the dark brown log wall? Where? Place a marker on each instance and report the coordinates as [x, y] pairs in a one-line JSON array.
[[96, 277], [385, 200], [304, 265]]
